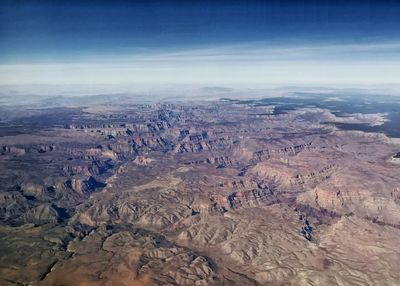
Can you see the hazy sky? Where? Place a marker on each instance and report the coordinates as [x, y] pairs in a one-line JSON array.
[[200, 42]]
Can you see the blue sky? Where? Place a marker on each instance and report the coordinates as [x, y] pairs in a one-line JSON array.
[[215, 42]]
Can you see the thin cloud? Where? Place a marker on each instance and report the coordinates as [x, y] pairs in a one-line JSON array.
[[369, 63]]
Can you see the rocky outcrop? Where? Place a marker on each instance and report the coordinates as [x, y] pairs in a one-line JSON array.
[[219, 144], [12, 150], [96, 167], [247, 194], [84, 186], [395, 195], [43, 213], [314, 177], [265, 154], [13, 205], [46, 148], [143, 161], [251, 198], [219, 162], [260, 156]]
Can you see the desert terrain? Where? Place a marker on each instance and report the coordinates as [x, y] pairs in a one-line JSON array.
[[221, 192]]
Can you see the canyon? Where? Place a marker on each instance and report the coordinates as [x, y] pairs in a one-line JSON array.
[[221, 192]]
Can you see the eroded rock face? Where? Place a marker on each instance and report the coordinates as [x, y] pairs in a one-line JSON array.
[[118, 252], [247, 193], [205, 194], [13, 205], [314, 177], [12, 150]]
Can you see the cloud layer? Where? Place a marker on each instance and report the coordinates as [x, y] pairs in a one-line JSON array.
[[245, 64]]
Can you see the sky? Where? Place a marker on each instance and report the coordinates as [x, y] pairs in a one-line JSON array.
[[225, 43]]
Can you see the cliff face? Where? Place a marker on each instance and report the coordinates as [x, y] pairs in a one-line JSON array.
[[251, 198], [263, 155]]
